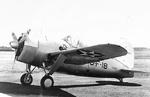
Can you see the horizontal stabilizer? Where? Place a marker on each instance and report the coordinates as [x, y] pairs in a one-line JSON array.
[[135, 71]]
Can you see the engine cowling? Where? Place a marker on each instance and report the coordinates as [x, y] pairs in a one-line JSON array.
[[32, 55]]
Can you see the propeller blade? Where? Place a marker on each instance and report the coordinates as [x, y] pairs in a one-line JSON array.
[[14, 37], [13, 57], [14, 44]]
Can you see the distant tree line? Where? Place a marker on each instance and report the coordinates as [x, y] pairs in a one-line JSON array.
[[4, 48]]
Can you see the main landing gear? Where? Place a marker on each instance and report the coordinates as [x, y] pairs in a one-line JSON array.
[[27, 79], [47, 81]]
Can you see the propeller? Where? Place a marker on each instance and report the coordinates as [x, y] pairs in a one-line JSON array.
[[14, 44], [17, 44]]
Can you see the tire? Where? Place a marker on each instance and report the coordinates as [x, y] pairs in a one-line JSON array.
[[47, 82], [26, 79]]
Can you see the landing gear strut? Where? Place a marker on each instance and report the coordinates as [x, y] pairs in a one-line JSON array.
[[27, 79], [47, 81]]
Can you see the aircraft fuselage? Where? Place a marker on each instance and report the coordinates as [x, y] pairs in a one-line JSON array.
[[37, 53]]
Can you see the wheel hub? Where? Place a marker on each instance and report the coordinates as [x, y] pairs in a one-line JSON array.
[[27, 79], [48, 83]]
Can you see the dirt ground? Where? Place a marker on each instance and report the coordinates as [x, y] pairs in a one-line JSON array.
[[71, 85]]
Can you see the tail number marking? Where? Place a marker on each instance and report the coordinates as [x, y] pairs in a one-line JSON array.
[[101, 64]]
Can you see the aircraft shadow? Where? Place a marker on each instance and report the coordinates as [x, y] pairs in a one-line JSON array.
[[17, 89], [117, 83], [100, 83]]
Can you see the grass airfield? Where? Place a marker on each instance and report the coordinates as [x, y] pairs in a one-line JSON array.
[[71, 85]]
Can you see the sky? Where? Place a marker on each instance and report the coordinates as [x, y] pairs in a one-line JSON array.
[[91, 21]]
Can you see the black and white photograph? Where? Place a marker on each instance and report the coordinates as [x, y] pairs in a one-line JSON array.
[[74, 48]]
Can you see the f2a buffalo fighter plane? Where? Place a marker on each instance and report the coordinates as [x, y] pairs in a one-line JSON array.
[[104, 60]]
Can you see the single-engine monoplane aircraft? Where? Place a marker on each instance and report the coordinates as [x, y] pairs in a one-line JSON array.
[[103, 60]]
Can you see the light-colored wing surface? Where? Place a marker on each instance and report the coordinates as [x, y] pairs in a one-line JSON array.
[[91, 54]]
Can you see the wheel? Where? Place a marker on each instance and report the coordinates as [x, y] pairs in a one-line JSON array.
[[47, 82], [26, 79]]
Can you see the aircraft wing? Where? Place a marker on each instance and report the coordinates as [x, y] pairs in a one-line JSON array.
[[90, 54]]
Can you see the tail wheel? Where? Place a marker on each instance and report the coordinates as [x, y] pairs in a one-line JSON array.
[[121, 80], [47, 82], [26, 79]]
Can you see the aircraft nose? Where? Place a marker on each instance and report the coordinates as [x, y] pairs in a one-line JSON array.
[[14, 44]]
